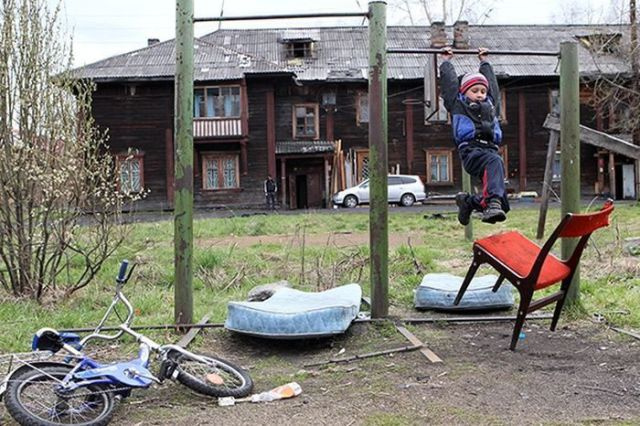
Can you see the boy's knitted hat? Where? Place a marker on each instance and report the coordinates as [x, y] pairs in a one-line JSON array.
[[471, 80]]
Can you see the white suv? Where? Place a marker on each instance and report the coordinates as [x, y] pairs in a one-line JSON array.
[[402, 189]]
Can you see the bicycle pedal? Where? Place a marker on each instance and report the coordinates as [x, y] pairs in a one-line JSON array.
[[167, 369]]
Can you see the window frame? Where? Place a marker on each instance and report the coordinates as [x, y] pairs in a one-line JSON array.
[[316, 121], [219, 156], [304, 46], [122, 159], [205, 91], [429, 153]]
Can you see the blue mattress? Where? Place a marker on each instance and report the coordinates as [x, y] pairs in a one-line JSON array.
[[438, 291], [295, 314]]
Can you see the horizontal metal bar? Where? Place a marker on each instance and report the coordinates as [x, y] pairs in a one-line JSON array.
[[296, 16], [475, 52], [470, 318]]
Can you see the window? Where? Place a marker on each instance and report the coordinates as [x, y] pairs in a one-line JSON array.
[[362, 115], [130, 172], [299, 49], [216, 102], [305, 121], [394, 180], [439, 166], [220, 171]]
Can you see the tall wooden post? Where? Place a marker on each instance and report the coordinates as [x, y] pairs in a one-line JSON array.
[[570, 148], [466, 187], [378, 134], [183, 211]]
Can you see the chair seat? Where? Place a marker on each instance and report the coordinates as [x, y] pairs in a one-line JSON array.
[[518, 253]]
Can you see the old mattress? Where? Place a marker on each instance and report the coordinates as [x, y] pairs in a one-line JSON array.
[[438, 291], [294, 314]]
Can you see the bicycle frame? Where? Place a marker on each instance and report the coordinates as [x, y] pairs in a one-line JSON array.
[[87, 372]]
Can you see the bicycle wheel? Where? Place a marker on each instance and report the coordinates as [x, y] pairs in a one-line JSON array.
[[31, 400], [216, 377]]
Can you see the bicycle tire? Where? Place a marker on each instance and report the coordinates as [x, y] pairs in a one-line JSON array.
[[236, 381], [18, 408]]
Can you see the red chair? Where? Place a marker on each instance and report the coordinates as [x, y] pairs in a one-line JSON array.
[[531, 268]]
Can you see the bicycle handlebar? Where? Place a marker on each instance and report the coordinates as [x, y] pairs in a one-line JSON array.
[[121, 279], [123, 272]]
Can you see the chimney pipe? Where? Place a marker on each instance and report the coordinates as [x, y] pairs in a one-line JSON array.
[[461, 34], [152, 41], [438, 34]]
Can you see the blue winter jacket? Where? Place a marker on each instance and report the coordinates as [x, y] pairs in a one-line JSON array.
[[471, 121]]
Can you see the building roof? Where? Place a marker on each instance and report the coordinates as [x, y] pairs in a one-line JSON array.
[[341, 53]]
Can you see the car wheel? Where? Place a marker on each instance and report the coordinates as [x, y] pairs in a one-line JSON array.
[[407, 200], [350, 201]]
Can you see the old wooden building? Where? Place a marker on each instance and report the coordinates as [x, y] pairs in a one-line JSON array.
[[277, 101]]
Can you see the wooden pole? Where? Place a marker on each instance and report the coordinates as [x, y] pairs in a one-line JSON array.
[[522, 141], [378, 134], [183, 212], [546, 183], [570, 148], [466, 187], [612, 175]]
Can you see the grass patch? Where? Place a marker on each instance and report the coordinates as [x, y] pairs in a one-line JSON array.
[[227, 271]]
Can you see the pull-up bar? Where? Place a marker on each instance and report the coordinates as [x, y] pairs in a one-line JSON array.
[[296, 16], [475, 52]]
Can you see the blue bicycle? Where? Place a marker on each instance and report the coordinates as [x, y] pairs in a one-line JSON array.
[[82, 391]]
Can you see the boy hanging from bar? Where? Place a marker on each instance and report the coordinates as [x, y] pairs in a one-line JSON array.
[[474, 105]]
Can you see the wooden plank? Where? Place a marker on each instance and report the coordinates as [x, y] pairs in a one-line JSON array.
[[599, 139], [546, 183], [187, 338], [430, 355]]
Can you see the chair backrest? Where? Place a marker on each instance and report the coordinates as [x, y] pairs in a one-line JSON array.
[[578, 225], [574, 225]]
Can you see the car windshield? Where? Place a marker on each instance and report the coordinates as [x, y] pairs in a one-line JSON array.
[[364, 184]]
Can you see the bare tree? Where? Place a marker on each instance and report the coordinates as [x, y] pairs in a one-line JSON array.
[[59, 201], [427, 11]]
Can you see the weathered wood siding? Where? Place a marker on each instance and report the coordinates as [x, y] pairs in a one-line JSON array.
[[139, 120]]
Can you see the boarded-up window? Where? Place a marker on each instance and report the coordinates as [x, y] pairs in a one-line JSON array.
[[130, 173], [220, 171]]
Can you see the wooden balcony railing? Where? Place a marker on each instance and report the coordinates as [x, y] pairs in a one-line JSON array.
[[216, 127]]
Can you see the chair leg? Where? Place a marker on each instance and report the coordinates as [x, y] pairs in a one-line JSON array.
[[525, 301], [560, 303], [467, 279], [498, 283]]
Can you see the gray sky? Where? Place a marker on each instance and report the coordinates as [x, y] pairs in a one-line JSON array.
[[103, 28]]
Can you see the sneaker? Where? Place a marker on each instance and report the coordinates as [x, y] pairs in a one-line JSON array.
[[493, 213], [464, 207]]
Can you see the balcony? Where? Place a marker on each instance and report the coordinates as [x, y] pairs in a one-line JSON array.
[[216, 127]]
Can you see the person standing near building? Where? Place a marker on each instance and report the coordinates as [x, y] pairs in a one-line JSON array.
[[270, 190]]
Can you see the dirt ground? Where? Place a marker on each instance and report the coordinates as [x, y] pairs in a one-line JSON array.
[[581, 374]]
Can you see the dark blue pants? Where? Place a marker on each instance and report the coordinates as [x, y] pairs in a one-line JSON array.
[[485, 164]]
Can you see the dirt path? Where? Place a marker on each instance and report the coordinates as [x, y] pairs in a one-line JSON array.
[[341, 239], [580, 374]]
